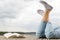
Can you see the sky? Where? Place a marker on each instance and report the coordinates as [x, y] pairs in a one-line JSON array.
[[22, 16]]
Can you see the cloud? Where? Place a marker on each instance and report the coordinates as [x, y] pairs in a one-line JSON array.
[[22, 14]]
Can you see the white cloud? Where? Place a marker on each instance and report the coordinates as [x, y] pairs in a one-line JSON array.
[[22, 15]]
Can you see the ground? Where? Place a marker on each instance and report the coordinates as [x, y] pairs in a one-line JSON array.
[[27, 37]]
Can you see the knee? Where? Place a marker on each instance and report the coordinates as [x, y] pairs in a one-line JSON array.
[[39, 35], [49, 35]]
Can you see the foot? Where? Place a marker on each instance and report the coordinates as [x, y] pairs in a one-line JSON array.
[[41, 12], [47, 6]]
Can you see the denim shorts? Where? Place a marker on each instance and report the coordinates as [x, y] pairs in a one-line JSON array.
[[46, 30]]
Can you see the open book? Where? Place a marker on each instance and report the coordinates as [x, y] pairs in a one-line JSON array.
[[13, 35]]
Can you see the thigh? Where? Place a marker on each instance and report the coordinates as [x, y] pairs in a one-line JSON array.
[[49, 27], [51, 32], [57, 32]]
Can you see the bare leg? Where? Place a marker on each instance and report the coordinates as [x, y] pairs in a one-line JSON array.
[[46, 16], [41, 30], [48, 9]]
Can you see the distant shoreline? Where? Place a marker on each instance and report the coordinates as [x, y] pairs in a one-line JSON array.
[[1, 33]]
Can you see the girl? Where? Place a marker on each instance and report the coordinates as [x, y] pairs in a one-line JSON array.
[[45, 30]]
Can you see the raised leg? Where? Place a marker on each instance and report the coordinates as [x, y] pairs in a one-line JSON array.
[[41, 30]]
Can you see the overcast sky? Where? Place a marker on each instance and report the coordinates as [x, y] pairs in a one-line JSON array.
[[21, 15]]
